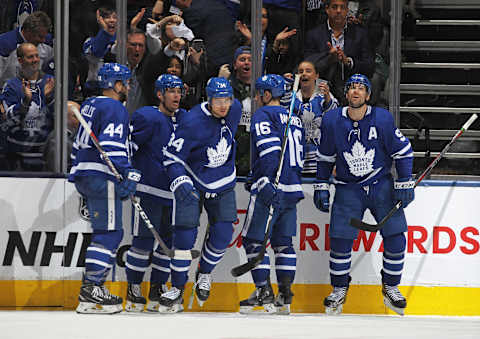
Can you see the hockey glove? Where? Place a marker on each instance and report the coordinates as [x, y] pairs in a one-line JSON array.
[[184, 190], [268, 193], [248, 182], [321, 196], [128, 186], [404, 190]]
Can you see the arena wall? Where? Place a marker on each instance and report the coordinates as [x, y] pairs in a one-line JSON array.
[[43, 238]]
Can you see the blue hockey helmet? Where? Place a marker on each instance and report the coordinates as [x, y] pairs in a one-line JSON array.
[[110, 73], [165, 81], [219, 88], [358, 79], [273, 83]]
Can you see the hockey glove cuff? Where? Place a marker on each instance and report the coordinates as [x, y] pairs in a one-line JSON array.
[[321, 196], [267, 192], [184, 190], [128, 186], [404, 190]]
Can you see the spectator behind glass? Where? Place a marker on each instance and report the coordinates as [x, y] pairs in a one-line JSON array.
[[339, 49], [34, 30], [211, 21], [312, 100], [28, 101], [72, 126], [240, 82], [277, 57]]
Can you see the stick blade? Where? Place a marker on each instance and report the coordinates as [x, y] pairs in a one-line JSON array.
[[359, 224], [244, 268]]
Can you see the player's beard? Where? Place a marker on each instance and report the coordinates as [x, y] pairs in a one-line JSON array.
[[361, 104]]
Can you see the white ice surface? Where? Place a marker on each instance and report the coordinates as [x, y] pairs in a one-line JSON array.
[[69, 325]]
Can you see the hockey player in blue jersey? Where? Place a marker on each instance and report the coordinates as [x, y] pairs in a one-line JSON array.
[[200, 162], [151, 130], [93, 179], [362, 142], [268, 129]]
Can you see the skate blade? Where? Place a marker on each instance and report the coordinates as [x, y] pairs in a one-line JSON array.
[[177, 308], [398, 310], [264, 309], [283, 309], [152, 306], [334, 310], [134, 307], [92, 308]]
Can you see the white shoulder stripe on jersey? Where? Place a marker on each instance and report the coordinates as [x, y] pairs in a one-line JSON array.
[[113, 143], [403, 151], [264, 141], [269, 150]]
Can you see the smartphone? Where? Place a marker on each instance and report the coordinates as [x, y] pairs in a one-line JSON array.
[[198, 44]]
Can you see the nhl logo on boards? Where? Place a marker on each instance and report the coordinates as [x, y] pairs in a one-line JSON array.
[[83, 210]]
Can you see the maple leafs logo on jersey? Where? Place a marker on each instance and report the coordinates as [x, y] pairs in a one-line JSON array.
[[217, 157], [359, 162]]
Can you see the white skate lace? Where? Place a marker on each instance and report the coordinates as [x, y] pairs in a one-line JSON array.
[[204, 281], [97, 292], [172, 294], [338, 293], [106, 292], [393, 292]]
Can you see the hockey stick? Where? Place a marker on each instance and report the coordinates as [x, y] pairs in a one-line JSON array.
[[251, 264], [189, 254], [357, 223]]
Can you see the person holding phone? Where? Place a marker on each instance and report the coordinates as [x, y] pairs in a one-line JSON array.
[[312, 100]]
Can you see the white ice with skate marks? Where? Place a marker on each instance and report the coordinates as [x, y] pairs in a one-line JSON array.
[[68, 324]]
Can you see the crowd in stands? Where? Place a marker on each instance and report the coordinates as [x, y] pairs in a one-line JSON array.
[[193, 39]]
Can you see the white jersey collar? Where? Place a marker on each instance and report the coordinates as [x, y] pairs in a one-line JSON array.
[[345, 109]]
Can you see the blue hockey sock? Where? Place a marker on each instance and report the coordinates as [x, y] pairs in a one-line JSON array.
[[285, 259], [393, 259], [220, 235], [138, 259], [101, 255], [161, 264], [261, 272], [184, 239], [340, 261]]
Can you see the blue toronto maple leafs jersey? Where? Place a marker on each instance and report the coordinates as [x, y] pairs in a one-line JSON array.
[[362, 151], [151, 131], [311, 113], [203, 148], [109, 121], [267, 133], [27, 128]]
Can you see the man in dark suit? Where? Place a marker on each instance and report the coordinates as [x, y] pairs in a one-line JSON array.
[[339, 49]]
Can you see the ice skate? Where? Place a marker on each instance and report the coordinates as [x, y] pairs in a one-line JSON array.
[[156, 291], [97, 299], [135, 300], [171, 301], [393, 299], [283, 300], [260, 301], [202, 287], [334, 302]]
